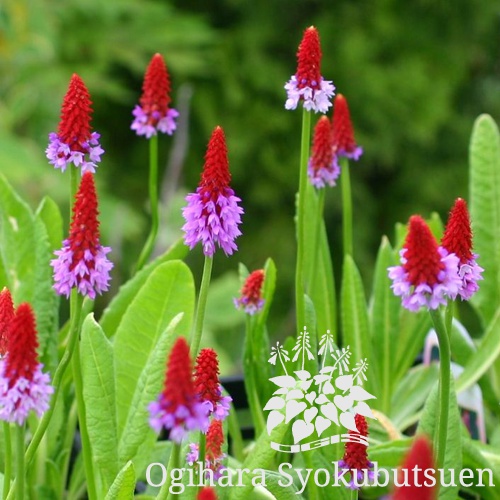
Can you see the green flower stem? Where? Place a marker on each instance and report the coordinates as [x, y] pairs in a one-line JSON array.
[[444, 386], [153, 198], [346, 206], [20, 471], [354, 495], [312, 487], [7, 458], [450, 311], [301, 208], [200, 309], [75, 308], [173, 463], [202, 451], [320, 206]]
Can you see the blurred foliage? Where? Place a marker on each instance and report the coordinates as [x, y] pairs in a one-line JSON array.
[[416, 74]]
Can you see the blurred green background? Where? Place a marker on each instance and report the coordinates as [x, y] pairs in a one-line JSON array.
[[416, 74]]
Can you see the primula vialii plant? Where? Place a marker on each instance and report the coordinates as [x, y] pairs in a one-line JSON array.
[[344, 395]]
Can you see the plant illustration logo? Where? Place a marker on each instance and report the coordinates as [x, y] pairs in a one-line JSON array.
[[322, 404]]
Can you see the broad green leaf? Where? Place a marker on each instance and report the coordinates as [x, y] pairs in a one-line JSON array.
[[326, 492], [413, 327], [48, 212], [113, 314], [411, 394], [274, 484], [168, 291], [427, 425], [124, 484], [384, 325], [99, 394], [261, 457], [485, 212], [476, 459], [137, 438], [354, 318], [485, 355], [318, 269], [25, 266]]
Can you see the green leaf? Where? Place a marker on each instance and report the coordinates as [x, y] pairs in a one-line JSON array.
[[319, 270], [411, 395], [261, 457], [485, 212], [485, 355], [168, 290], [124, 484], [137, 438], [25, 266], [427, 425], [115, 311], [475, 456], [99, 394], [384, 326], [274, 482], [354, 317], [48, 212]]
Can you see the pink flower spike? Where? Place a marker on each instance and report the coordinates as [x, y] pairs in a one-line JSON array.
[[23, 385], [457, 239], [178, 408], [212, 214], [74, 142], [153, 114], [82, 262], [427, 276], [307, 84], [323, 168]]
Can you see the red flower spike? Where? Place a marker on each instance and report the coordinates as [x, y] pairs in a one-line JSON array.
[[251, 293], [216, 176], [355, 458], [309, 60], [22, 345], [457, 236], [423, 261], [207, 385], [156, 87], [6, 317], [74, 127], [84, 230], [207, 493], [418, 460], [179, 387], [342, 130], [322, 151], [215, 440]]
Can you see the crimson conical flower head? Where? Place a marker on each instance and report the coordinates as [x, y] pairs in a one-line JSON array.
[[342, 130], [355, 460], [416, 471], [23, 386], [153, 114], [74, 141], [207, 493], [82, 262], [207, 386], [323, 168], [457, 239], [6, 317], [179, 409], [307, 83], [428, 274], [212, 213], [251, 293]]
